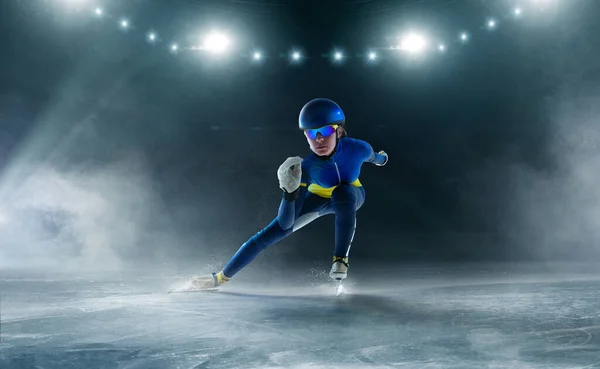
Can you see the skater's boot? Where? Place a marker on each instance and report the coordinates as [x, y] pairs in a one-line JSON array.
[[214, 281], [339, 269]]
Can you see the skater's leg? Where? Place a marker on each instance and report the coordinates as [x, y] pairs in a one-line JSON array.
[[345, 201], [307, 209], [257, 243]]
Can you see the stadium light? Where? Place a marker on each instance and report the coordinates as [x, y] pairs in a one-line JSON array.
[[216, 42], [413, 43]]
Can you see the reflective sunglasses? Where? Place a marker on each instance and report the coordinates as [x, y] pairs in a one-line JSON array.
[[324, 131]]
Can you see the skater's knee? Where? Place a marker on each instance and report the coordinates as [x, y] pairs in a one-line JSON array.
[[344, 187], [345, 195], [271, 234], [285, 223]]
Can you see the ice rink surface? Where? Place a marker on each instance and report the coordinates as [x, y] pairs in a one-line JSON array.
[[409, 318]]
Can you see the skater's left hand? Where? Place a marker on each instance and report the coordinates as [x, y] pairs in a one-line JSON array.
[[383, 153]]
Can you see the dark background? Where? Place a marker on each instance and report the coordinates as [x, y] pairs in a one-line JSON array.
[[115, 150]]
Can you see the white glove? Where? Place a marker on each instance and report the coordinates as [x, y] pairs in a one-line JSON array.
[[289, 174], [386, 158]]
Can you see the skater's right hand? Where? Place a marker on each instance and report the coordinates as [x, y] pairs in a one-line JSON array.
[[289, 174]]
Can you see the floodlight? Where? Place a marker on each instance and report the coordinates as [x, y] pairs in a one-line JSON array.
[[413, 43], [216, 43]]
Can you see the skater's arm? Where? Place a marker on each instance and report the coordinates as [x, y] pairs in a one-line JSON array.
[[378, 158], [286, 215]]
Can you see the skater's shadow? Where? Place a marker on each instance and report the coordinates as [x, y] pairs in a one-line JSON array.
[[272, 296], [363, 309]]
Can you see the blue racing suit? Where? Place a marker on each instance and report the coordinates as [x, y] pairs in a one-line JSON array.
[[329, 185]]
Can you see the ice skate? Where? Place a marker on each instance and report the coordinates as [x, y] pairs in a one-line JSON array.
[[203, 283], [339, 269]]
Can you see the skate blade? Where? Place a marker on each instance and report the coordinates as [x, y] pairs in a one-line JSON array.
[[339, 288], [190, 290], [190, 286]]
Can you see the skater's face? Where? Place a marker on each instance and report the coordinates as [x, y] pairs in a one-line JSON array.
[[322, 141]]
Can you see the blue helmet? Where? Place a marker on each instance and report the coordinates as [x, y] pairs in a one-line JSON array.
[[320, 112]]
